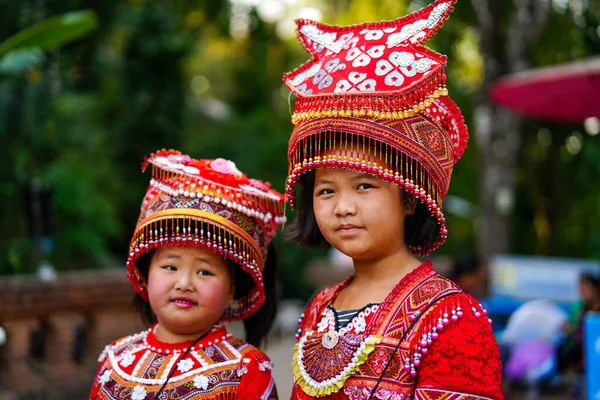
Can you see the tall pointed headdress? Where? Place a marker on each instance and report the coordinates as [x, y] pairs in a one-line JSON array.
[[374, 99]]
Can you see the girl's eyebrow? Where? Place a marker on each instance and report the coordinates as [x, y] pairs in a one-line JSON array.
[[178, 257], [323, 182], [173, 256], [364, 176]]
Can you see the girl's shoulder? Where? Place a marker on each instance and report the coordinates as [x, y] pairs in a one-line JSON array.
[[452, 347], [325, 296], [255, 369], [123, 345], [250, 353], [436, 305], [455, 310]]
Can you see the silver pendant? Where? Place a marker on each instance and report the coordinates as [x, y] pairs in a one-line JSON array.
[[330, 339]]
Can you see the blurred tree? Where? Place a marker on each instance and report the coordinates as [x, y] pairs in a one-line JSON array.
[[183, 74], [83, 120], [150, 106], [507, 33], [550, 211], [27, 130]]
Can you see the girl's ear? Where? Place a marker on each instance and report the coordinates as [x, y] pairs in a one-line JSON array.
[[410, 203]]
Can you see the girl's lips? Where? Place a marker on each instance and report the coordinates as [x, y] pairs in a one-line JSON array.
[[349, 233], [183, 302], [348, 228]]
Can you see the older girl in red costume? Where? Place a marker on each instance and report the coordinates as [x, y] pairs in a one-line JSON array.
[[374, 143]]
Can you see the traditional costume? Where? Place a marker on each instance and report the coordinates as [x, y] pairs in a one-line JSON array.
[[208, 204], [374, 99]]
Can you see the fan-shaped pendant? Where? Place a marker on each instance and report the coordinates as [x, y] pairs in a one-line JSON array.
[[323, 362]]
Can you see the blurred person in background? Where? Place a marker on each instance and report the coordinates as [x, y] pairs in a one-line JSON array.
[[529, 344], [588, 292], [467, 273], [570, 352]]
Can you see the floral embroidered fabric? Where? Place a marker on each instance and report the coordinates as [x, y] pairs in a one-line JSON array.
[[218, 366], [441, 331]]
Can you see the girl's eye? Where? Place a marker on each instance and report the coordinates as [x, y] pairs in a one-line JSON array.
[[364, 186], [170, 268], [324, 192], [204, 272]]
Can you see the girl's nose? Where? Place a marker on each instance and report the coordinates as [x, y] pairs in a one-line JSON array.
[[184, 282], [345, 206]]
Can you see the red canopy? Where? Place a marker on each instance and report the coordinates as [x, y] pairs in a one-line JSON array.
[[563, 93]]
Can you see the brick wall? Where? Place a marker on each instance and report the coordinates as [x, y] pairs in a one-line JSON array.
[[56, 330]]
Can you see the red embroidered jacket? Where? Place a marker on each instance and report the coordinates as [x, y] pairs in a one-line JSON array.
[[427, 340], [219, 366]]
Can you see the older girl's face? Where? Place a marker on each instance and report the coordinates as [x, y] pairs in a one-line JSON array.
[[359, 214], [188, 289]]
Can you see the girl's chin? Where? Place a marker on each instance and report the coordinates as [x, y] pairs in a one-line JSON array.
[[354, 253], [185, 324]]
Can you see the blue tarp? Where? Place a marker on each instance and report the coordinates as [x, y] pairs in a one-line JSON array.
[[592, 356]]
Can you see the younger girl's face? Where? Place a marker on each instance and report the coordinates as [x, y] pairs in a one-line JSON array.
[[359, 214], [188, 289]]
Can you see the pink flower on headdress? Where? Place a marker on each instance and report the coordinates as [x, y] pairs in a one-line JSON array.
[[179, 158], [225, 167]]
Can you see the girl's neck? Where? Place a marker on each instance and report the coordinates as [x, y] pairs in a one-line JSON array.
[[164, 335], [375, 279], [389, 268]]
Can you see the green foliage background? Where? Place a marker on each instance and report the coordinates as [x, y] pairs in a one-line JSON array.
[[168, 74]]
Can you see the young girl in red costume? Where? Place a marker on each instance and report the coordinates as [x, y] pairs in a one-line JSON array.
[[374, 143], [199, 256]]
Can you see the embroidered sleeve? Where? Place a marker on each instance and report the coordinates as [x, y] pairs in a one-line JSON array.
[[257, 381], [464, 359], [105, 373], [101, 375]]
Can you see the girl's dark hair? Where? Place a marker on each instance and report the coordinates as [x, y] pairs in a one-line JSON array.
[[420, 229], [139, 303], [258, 324]]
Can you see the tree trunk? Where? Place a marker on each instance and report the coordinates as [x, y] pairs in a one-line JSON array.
[[497, 131]]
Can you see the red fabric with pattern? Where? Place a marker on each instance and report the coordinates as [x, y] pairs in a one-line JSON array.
[[233, 369], [255, 383], [95, 385], [462, 363], [466, 360]]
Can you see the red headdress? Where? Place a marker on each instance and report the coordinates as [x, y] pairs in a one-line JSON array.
[[208, 204], [374, 99]]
